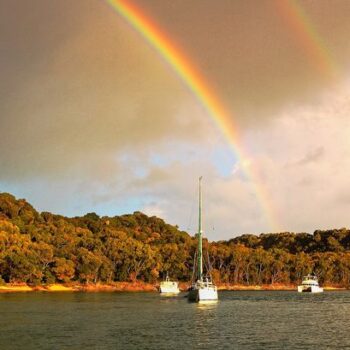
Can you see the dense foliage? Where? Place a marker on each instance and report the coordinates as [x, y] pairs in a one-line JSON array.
[[39, 248]]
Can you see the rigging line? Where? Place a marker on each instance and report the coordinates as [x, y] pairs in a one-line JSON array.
[[207, 263], [194, 268]]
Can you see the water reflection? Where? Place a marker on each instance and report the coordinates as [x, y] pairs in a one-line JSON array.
[[169, 295], [205, 323], [239, 320], [207, 304]]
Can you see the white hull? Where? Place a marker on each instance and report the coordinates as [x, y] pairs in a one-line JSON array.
[[169, 290], [310, 289], [168, 287], [310, 285], [203, 293]]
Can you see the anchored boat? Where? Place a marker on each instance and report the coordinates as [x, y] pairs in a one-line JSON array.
[[169, 287], [202, 289], [310, 285]]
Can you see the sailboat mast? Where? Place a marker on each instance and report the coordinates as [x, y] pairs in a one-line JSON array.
[[200, 255]]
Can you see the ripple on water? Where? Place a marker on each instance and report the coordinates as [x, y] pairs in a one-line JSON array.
[[240, 320]]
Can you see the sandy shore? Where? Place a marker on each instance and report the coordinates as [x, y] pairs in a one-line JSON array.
[[140, 286], [25, 288], [115, 287], [257, 287], [271, 287]]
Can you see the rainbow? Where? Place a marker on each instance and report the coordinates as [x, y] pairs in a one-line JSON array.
[[201, 89], [307, 37]]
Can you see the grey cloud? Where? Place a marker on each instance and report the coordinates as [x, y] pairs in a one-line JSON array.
[[312, 157], [255, 61], [343, 197], [76, 92]]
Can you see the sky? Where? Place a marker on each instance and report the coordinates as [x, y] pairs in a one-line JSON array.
[[94, 119]]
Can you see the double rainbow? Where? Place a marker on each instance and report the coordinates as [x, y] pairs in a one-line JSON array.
[[201, 89]]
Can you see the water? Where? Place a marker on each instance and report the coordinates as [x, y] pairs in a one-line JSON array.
[[240, 320]]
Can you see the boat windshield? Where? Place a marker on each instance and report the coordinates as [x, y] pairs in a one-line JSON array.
[[310, 280], [310, 277]]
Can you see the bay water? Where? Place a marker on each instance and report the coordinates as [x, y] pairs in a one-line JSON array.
[[239, 320]]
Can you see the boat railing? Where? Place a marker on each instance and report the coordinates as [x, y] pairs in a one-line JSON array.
[[310, 277]]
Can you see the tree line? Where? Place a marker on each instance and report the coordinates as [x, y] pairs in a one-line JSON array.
[[43, 248]]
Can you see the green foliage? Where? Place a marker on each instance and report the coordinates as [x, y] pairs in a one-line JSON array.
[[46, 248]]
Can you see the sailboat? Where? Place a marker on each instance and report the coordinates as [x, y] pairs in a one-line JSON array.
[[202, 289]]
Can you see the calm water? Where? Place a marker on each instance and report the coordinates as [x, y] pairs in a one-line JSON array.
[[240, 320]]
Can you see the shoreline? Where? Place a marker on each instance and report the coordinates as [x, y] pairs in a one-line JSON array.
[[78, 287], [139, 286]]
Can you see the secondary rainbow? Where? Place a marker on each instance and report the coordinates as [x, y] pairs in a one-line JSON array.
[[200, 88], [308, 38]]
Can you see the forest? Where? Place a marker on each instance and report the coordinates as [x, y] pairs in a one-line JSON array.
[[44, 248]]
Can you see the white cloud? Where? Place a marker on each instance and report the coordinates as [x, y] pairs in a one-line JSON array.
[[153, 209], [304, 159]]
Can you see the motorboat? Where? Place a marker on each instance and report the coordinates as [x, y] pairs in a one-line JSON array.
[[169, 287], [310, 285]]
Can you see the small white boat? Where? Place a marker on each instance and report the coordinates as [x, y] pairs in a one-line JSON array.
[[203, 289], [310, 285], [169, 287]]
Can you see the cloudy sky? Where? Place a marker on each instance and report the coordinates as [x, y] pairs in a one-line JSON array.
[[92, 118]]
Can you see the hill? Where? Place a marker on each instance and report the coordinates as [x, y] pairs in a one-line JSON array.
[[44, 248]]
